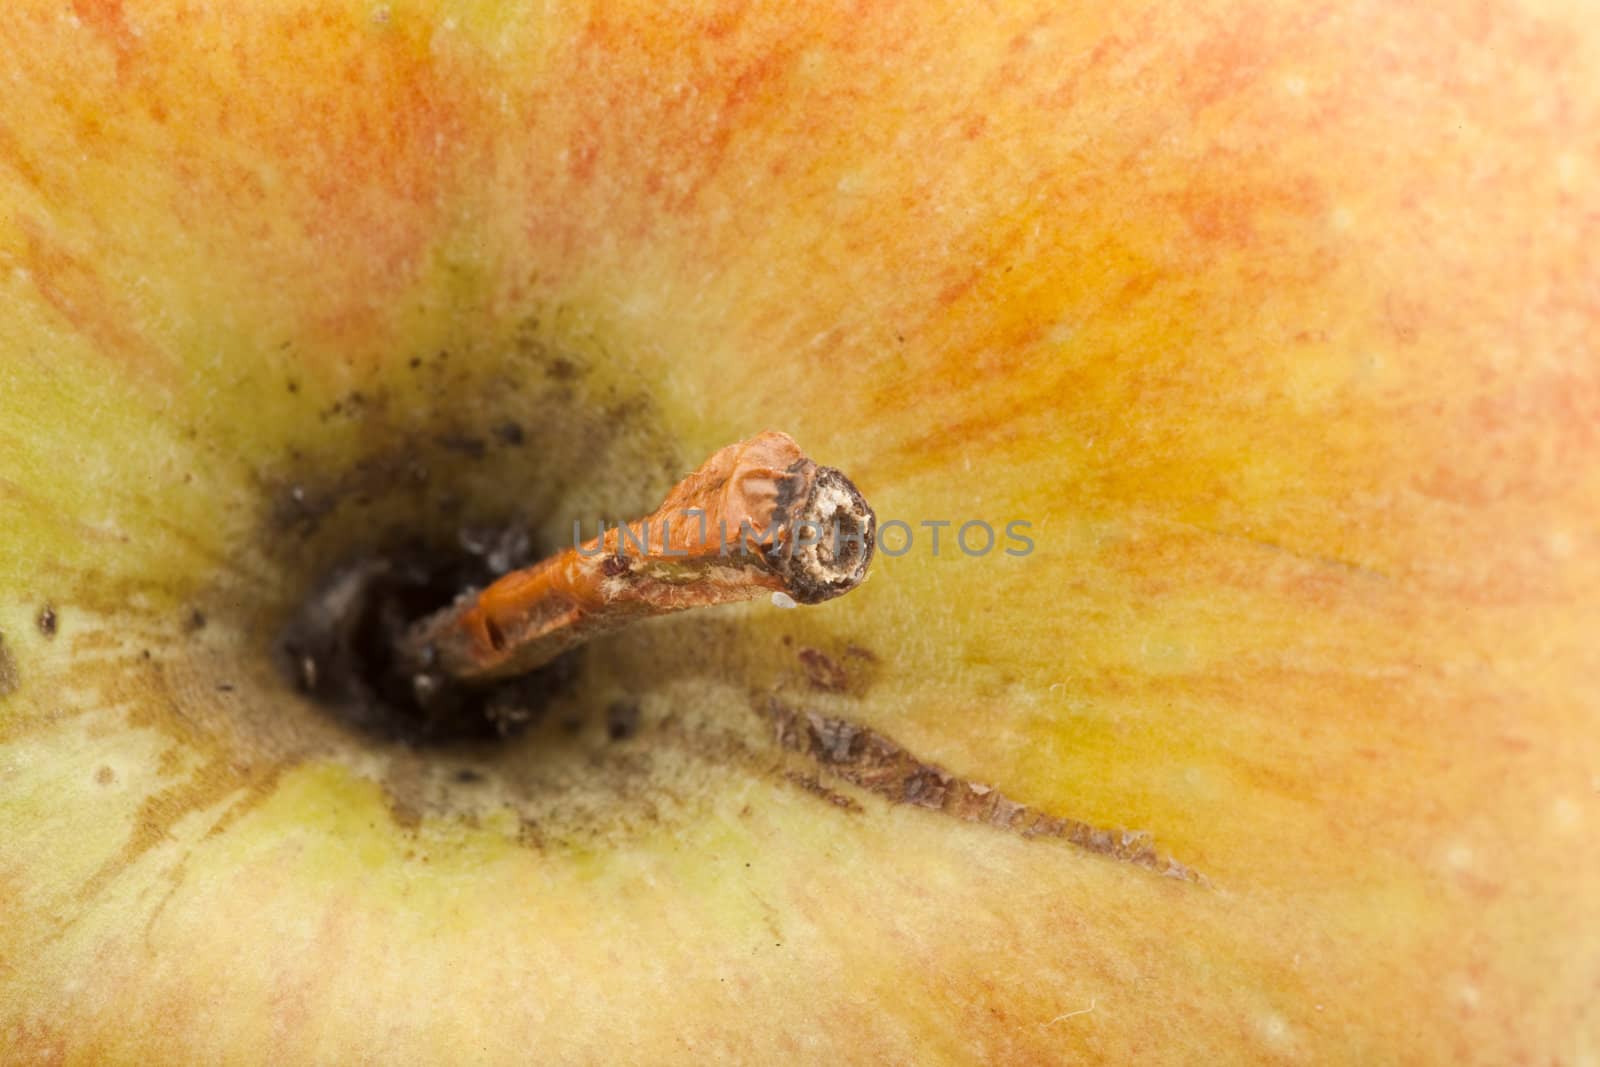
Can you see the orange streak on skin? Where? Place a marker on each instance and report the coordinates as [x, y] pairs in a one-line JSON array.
[[13, 157], [109, 20], [363, 179], [667, 132], [93, 308], [304, 156]]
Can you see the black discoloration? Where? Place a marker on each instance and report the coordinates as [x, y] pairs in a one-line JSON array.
[[340, 646], [425, 497], [622, 719], [47, 621]]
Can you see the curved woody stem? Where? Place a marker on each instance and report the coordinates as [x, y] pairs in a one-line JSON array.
[[758, 517]]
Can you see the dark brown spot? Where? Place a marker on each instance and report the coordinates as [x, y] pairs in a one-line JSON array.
[[823, 672], [622, 719], [510, 433], [195, 622], [47, 621], [351, 405], [104, 775], [406, 815]]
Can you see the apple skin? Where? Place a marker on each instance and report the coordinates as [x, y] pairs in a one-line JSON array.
[[1277, 321]]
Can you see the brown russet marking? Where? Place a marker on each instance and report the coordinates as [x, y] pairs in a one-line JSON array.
[[735, 529], [823, 672], [874, 762], [9, 678], [810, 784]]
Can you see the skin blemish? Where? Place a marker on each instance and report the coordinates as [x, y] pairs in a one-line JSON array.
[[10, 680], [848, 669], [871, 761], [823, 672], [622, 719], [47, 621], [810, 784]]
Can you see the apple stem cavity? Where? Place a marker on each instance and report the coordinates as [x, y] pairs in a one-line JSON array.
[[758, 517]]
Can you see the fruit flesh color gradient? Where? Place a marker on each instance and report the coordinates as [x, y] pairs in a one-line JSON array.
[[1277, 321]]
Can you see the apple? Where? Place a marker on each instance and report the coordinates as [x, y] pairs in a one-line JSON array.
[[1275, 324]]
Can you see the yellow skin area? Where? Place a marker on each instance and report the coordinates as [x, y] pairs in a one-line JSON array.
[[1277, 321]]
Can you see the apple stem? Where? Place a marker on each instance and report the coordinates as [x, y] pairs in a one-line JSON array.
[[757, 518]]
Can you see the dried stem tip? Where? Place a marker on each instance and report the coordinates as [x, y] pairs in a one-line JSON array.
[[758, 517]]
